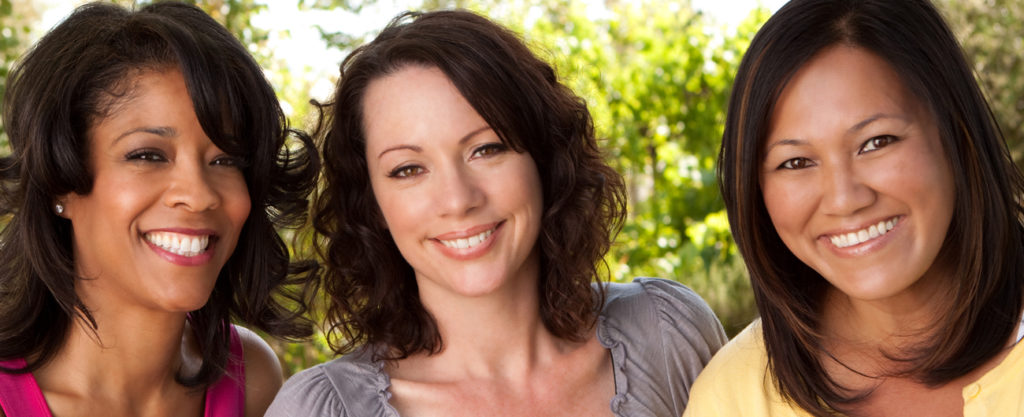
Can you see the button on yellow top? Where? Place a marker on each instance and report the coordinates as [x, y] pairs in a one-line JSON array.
[[971, 391]]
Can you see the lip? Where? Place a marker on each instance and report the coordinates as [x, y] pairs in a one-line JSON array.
[[473, 252], [200, 259], [862, 248]]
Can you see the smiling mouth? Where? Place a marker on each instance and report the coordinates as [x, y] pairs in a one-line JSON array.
[[846, 240], [179, 244], [468, 242]]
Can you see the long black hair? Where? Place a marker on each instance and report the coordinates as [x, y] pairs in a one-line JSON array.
[[985, 237], [75, 76]]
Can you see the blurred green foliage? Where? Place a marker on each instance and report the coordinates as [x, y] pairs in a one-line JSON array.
[[656, 75], [15, 25], [992, 34]]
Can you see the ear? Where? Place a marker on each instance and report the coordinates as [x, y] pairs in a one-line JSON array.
[[63, 205]]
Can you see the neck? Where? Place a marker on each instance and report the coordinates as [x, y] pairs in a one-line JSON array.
[[497, 335], [132, 354], [889, 323], [866, 335]]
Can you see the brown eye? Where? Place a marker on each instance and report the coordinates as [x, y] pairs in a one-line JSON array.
[[406, 171], [877, 142], [489, 149], [146, 155], [229, 161], [796, 163]]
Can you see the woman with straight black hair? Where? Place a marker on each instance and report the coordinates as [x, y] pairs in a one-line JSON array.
[[148, 170], [465, 210], [875, 202]]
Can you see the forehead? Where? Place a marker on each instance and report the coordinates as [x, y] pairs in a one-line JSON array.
[[138, 95], [114, 95], [415, 103], [841, 85]]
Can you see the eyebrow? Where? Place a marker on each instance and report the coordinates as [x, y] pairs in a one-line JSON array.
[[415, 148], [856, 127], [875, 117], [162, 131], [791, 142]]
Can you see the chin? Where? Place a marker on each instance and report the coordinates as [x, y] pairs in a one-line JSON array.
[[871, 291], [475, 290], [184, 303], [477, 287]]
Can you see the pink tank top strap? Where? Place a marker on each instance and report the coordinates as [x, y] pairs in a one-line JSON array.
[[226, 397], [20, 394]]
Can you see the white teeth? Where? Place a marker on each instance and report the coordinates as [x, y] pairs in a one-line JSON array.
[[855, 238], [469, 242], [179, 244], [852, 239]]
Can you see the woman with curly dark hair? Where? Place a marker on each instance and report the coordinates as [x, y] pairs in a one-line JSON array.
[[879, 213], [149, 168], [465, 211]]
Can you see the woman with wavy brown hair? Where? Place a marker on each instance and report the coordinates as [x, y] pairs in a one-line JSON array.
[[465, 211], [879, 213], [150, 163]]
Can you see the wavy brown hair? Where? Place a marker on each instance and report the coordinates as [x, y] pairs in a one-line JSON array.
[[985, 240], [76, 75], [373, 297]]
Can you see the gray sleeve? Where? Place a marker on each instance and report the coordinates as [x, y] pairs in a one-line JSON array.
[[307, 393], [690, 331], [665, 334]]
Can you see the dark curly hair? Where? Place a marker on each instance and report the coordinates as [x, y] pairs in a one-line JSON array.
[[76, 75], [373, 297], [985, 241]]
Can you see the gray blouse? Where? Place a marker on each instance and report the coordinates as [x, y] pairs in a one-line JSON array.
[[660, 333]]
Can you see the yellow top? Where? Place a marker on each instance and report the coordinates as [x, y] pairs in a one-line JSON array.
[[736, 383]]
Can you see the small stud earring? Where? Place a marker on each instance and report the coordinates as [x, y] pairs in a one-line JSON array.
[[59, 208]]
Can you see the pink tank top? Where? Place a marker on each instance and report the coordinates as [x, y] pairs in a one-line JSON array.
[[20, 395]]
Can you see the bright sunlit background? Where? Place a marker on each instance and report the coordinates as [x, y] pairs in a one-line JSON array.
[[656, 75], [295, 40]]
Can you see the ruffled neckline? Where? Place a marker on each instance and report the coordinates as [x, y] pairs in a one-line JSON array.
[[615, 345], [382, 385], [382, 380]]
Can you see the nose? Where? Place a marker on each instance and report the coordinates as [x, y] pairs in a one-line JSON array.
[[844, 190], [191, 187], [459, 191]]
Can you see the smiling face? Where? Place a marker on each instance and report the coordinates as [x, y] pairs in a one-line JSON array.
[[463, 208], [855, 178], [166, 206]]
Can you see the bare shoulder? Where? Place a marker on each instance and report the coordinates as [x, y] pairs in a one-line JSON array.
[[263, 376]]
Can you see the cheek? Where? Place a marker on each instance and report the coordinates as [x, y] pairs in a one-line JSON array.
[[938, 191], [791, 204], [399, 209], [113, 200], [240, 210], [534, 190], [786, 204], [523, 189], [236, 201]]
